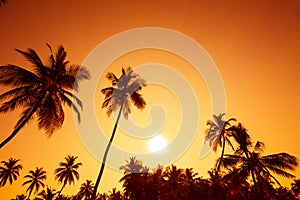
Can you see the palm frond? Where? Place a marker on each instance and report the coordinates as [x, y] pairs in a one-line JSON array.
[[13, 75], [16, 92], [112, 77], [50, 114], [16, 102], [259, 147], [138, 100], [70, 103], [74, 97], [281, 160], [34, 58]]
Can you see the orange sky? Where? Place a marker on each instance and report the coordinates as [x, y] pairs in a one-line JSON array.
[[255, 45]]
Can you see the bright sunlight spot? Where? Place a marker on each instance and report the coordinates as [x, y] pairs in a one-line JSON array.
[[157, 143]]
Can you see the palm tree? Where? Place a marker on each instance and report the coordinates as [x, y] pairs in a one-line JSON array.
[[9, 171], [134, 179], [118, 96], [249, 161], [35, 180], [41, 91], [67, 172], [20, 197], [115, 195], [48, 194], [174, 184], [86, 190], [218, 135]]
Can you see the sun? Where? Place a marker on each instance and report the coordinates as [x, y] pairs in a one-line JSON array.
[[157, 143]]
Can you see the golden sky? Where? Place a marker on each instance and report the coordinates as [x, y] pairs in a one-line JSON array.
[[254, 44]]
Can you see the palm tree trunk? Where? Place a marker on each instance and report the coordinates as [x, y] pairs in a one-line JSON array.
[[106, 153], [222, 154], [29, 194], [21, 125], [65, 183]]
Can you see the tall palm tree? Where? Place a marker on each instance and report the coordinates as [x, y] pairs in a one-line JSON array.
[[249, 161], [86, 190], [42, 91], [123, 90], [67, 172], [35, 180], [217, 134], [9, 171]]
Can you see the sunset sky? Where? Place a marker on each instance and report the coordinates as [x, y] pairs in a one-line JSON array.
[[254, 44]]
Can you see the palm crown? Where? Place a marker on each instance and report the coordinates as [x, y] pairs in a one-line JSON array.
[[9, 171], [35, 180], [123, 90], [67, 172], [41, 91]]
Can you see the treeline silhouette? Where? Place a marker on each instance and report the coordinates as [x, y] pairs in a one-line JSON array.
[[243, 173]]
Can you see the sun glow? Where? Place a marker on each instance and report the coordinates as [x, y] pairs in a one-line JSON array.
[[157, 143]]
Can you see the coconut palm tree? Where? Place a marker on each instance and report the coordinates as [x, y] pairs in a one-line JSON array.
[[248, 160], [174, 184], [217, 134], [134, 179], [20, 197], [35, 180], [9, 171], [123, 90], [86, 190], [115, 195], [67, 172], [48, 194], [41, 91]]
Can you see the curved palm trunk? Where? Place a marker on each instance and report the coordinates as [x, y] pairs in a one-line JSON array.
[[29, 194], [65, 183], [22, 124], [106, 153], [222, 154]]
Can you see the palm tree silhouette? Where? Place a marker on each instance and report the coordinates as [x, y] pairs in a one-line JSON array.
[[134, 179], [123, 90], [35, 180], [67, 172], [217, 134], [174, 184], [115, 195], [42, 91], [48, 194], [248, 160], [86, 190], [9, 171]]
